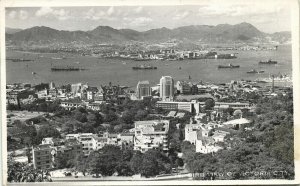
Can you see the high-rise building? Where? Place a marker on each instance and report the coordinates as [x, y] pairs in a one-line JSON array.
[[143, 89], [51, 85], [76, 88], [166, 88]]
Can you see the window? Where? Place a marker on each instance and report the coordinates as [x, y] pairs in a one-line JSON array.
[[47, 161], [38, 163]]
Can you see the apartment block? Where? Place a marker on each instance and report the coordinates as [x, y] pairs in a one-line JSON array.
[[151, 135]]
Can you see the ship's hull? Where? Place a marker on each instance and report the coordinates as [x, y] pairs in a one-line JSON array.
[[237, 66]]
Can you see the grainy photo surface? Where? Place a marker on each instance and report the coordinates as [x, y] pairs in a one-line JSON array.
[[183, 92]]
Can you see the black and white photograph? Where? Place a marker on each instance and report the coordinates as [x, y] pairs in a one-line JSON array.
[[131, 92]]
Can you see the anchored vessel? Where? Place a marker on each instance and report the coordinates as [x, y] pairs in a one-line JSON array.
[[144, 67], [229, 66], [253, 71], [268, 62], [19, 60], [66, 68]]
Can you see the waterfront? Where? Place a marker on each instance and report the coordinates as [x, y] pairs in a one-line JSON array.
[[102, 71]]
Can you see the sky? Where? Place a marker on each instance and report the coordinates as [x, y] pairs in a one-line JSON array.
[[267, 16]]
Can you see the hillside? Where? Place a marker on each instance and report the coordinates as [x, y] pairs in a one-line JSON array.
[[223, 33]]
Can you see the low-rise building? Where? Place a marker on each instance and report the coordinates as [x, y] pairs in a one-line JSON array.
[[71, 149], [151, 135], [71, 104]]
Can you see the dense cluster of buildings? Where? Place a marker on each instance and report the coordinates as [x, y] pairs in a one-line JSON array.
[[169, 54], [207, 130], [146, 135]]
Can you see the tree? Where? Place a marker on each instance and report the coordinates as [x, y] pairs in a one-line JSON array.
[[111, 116], [79, 116], [63, 161], [81, 164], [47, 131], [106, 160], [128, 117], [124, 169], [209, 104], [136, 162], [155, 162]]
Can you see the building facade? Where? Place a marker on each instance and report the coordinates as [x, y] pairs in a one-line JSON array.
[[143, 89], [151, 135], [166, 88], [43, 157]]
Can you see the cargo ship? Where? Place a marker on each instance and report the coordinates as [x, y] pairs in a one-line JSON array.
[[269, 62], [253, 71], [66, 68], [144, 67], [19, 60], [229, 66]]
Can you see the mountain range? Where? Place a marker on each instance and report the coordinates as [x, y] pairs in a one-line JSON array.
[[222, 33]]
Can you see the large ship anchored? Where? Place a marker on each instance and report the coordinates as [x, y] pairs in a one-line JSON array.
[[269, 62], [66, 68], [229, 66], [144, 67]]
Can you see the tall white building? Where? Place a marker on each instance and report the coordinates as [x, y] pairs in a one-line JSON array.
[[166, 88]]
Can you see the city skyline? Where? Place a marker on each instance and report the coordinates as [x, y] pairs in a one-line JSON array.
[[273, 17]]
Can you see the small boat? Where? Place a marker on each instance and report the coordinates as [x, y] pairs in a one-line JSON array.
[[229, 66], [179, 68], [253, 71], [269, 62], [33, 73]]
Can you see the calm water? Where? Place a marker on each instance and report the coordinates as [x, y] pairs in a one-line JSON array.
[[103, 71]]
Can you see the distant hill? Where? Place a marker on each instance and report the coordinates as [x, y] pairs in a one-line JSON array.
[[12, 30], [223, 33]]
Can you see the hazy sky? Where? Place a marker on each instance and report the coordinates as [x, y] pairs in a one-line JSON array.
[[267, 17]]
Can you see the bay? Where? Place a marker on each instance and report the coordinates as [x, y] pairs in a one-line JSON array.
[[101, 71]]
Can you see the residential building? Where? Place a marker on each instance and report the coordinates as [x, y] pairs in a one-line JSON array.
[[71, 104], [192, 131], [166, 88], [151, 135], [183, 87], [43, 156], [88, 141], [127, 140], [71, 149], [76, 88], [143, 89]]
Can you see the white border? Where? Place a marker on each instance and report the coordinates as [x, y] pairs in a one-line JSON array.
[[56, 3]]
